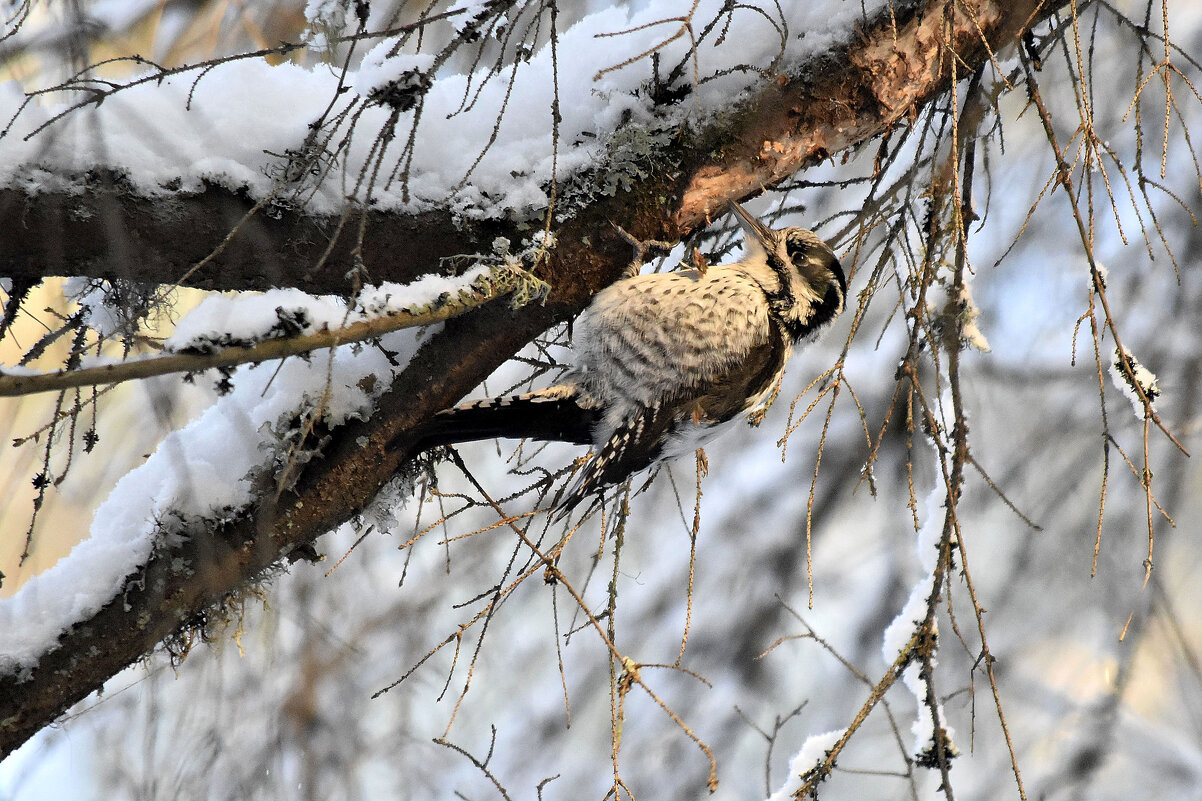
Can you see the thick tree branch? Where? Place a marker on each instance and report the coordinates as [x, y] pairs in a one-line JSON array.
[[106, 231], [838, 102]]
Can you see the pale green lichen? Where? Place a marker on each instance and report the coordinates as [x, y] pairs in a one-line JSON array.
[[634, 153]]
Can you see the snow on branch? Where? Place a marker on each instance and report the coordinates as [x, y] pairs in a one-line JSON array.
[[224, 449], [1134, 381], [282, 323], [490, 122]]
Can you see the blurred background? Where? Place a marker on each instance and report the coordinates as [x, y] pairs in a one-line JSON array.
[[1099, 673]]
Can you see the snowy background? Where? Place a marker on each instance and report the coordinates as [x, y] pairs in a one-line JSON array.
[[280, 705]]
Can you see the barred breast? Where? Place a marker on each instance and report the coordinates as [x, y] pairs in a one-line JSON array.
[[648, 337]]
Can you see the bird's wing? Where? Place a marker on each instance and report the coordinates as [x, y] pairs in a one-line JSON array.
[[633, 445]]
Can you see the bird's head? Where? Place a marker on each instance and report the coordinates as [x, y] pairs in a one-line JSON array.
[[811, 284]]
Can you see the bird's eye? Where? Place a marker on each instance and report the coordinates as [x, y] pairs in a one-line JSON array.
[[797, 248]]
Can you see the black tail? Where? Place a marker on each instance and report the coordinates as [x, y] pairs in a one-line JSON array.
[[535, 415]]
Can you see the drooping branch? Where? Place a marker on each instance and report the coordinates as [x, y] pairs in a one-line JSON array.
[[841, 100]]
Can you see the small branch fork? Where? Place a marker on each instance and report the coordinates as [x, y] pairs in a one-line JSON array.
[[626, 672], [822, 770], [1064, 177]]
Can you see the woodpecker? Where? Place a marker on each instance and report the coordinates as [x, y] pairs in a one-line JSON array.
[[661, 361]]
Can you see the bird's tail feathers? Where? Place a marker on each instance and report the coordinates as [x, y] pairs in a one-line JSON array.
[[549, 414], [634, 444]]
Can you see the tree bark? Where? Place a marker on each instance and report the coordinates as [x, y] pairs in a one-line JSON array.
[[881, 79]]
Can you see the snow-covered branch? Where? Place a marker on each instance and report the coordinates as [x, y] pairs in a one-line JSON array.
[[834, 99], [289, 323]]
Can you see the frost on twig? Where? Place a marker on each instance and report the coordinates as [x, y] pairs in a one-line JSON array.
[[962, 309], [1136, 383], [808, 761]]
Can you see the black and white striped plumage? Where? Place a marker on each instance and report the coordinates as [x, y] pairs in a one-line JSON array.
[[662, 360]]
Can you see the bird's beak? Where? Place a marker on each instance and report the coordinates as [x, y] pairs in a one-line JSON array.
[[757, 237]]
